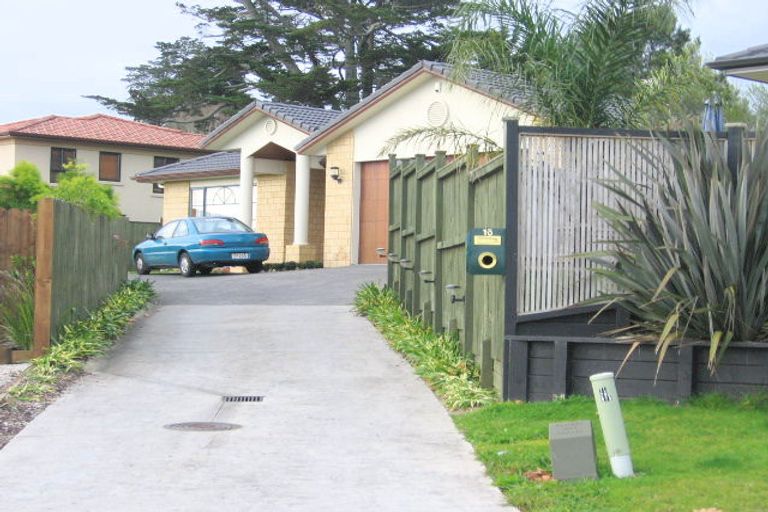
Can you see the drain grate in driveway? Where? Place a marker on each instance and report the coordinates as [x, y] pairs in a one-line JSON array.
[[242, 398], [202, 426]]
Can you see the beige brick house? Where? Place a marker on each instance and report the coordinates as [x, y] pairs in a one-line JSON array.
[[316, 181]]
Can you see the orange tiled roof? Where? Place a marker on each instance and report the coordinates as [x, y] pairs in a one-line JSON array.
[[105, 129]]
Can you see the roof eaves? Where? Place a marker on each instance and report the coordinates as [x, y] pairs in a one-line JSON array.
[[438, 69], [245, 112], [728, 64], [367, 102], [37, 136], [184, 176]]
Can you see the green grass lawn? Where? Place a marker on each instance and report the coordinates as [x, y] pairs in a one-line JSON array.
[[707, 453]]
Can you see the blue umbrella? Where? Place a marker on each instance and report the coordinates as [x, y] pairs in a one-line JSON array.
[[713, 119]]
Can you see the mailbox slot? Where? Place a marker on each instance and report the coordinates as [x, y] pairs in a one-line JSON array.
[[485, 251]]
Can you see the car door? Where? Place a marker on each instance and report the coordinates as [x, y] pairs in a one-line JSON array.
[[176, 242], [156, 253]]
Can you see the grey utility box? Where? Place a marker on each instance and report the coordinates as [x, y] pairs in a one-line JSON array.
[[572, 447]]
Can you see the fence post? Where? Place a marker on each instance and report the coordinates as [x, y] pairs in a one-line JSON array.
[[511, 163], [560, 368], [391, 222], [735, 147], [416, 267], [438, 272], [43, 276], [469, 279], [685, 368]]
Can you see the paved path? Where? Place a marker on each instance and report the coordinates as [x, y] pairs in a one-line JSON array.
[[344, 425]]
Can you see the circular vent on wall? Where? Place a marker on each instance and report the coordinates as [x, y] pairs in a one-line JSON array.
[[437, 113], [270, 126]]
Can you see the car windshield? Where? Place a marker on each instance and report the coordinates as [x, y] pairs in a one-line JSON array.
[[219, 225]]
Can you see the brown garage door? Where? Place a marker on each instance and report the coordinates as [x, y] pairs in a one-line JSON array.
[[374, 204]]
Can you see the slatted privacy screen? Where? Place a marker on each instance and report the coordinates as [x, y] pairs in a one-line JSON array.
[[560, 180]]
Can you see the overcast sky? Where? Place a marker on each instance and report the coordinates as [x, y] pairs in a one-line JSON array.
[[54, 51]]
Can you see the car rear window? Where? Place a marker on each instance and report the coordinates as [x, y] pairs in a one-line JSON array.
[[219, 225]]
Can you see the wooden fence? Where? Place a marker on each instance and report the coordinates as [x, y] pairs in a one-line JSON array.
[[80, 260], [542, 191], [17, 236], [432, 206]]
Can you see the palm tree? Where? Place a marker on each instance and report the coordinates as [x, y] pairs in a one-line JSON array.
[[584, 69]]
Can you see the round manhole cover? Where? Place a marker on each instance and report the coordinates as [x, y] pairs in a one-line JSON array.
[[202, 426]]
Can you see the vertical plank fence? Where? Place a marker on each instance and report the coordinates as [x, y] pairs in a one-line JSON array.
[[17, 236], [81, 259], [542, 191], [433, 203]]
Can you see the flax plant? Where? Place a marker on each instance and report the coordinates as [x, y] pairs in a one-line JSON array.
[[690, 255]]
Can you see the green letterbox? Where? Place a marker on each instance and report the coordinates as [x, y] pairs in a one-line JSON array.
[[485, 251]]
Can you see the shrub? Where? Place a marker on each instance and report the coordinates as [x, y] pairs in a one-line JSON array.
[[83, 190], [292, 265], [22, 187], [435, 357], [17, 303], [691, 259]]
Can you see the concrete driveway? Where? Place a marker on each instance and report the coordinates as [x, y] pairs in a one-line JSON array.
[[344, 424]]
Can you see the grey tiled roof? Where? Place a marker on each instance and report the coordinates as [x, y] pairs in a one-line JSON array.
[[754, 56], [224, 163], [306, 119], [506, 88]]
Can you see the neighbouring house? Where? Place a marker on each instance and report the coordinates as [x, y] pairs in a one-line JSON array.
[[321, 181], [113, 150], [751, 64]]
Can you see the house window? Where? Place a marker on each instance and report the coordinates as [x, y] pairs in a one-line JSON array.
[[216, 201], [160, 161], [109, 166], [60, 157]]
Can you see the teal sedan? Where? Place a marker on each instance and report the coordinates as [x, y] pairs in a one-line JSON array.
[[200, 244]]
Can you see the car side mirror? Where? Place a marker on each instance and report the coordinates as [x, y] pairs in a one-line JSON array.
[[150, 236]]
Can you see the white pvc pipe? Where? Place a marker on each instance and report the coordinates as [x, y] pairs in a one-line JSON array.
[[301, 202], [612, 423]]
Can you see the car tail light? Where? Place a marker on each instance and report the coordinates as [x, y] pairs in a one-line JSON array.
[[262, 240], [212, 241]]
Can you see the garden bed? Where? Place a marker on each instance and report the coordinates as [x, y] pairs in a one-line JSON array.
[[709, 454]]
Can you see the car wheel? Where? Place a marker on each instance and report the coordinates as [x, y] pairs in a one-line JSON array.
[[205, 270], [141, 265], [255, 267], [186, 266]]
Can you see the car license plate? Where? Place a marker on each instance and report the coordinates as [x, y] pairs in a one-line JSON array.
[[240, 255]]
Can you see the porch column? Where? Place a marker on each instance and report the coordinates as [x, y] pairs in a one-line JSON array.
[[246, 189], [301, 203]]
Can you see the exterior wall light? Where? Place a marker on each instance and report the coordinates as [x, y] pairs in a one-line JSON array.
[[336, 174]]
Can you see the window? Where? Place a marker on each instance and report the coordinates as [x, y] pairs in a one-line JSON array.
[[167, 230], [207, 225], [59, 157], [182, 230], [160, 161], [109, 166]]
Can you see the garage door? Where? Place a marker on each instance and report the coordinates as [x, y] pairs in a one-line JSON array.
[[374, 204]]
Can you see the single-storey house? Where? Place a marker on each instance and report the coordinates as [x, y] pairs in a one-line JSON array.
[[320, 176], [750, 64], [113, 149], [260, 177]]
